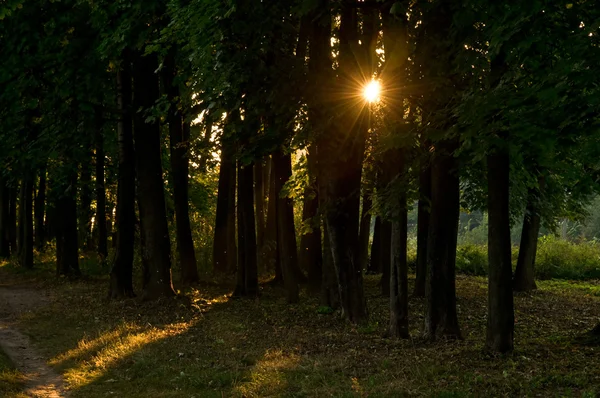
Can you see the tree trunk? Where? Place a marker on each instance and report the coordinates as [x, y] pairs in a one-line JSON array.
[[224, 228], [311, 255], [398, 286], [4, 218], [12, 220], [423, 229], [259, 201], [365, 229], [270, 251], [121, 274], [330, 292], [286, 233], [179, 145], [440, 315], [26, 223], [85, 202], [67, 246], [100, 219], [39, 210], [500, 325], [151, 193], [385, 256], [524, 279], [247, 272], [375, 261]]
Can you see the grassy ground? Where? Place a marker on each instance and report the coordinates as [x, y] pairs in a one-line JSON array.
[[11, 381], [205, 344]]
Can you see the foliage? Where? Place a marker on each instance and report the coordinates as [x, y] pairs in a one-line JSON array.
[[11, 381]]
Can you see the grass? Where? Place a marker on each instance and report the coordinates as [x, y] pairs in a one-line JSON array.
[[206, 344], [556, 259], [11, 381]]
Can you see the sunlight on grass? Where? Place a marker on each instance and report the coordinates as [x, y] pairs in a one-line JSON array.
[[267, 377], [109, 348]]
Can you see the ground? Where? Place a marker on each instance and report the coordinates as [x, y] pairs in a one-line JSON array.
[[206, 344]]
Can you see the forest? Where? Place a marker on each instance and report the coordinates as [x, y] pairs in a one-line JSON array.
[[299, 198]]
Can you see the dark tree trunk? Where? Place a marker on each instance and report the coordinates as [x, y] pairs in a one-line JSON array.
[[100, 219], [180, 142], [39, 210], [423, 229], [4, 218], [26, 223], [247, 272], [524, 279], [441, 317], [385, 256], [121, 275], [150, 181], [365, 229], [286, 233], [224, 228], [398, 287], [85, 202], [270, 251], [12, 220], [67, 242], [311, 255], [500, 319], [330, 292], [375, 262], [259, 201]]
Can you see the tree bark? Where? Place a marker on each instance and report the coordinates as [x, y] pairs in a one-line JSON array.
[[179, 146], [247, 272], [12, 220], [500, 324], [440, 315], [423, 228], [375, 261], [67, 246], [259, 201], [224, 228], [365, 229], [151, 193], [286, 233], [398, 286], [100, 219], [311, 255], [26, 223], [4, 218], [385, 256], [85, 201], [39, 210], [524, 279], [121, 274], [270, 250]]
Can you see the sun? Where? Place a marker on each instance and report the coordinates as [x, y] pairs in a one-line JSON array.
[[372, 91]]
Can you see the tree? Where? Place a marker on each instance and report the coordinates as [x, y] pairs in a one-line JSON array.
[[179, 145], [121, 274], [151, 196], [39, 211]]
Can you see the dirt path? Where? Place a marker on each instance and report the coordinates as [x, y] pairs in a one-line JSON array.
[[42, 381]]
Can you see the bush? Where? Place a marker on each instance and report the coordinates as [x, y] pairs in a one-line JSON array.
[[471, 259], [556, 258]]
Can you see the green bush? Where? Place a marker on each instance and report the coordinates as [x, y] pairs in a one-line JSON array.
[[471, 259], [556, 258], [561, 259]]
